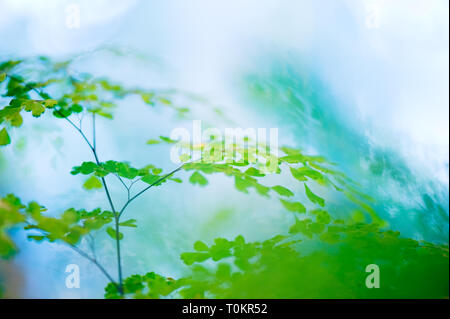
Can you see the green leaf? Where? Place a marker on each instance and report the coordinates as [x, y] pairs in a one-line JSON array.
[[200, 246], [101, 113], [313, 197], [126, 171], [283, 191], [129, 223], [175, 179], [147, 98], [185, 157], [330, 238], [241, 184], [157, 171], [112, 233], [197, 178], [190, 258], [221, 249], [322, 216], [11, 114], [165, 101], [92, 183], [37, 109], [309, 172], [293, 159], [297, 175], [86, 168], [2, 77], [36, 237], [316, 228], [8, 65], [76, 108], [151, 179], [151, 142], [167, 140], [50, 103], [4, 137], [62, 113], [254, 172], [301, 226], [293, 206]]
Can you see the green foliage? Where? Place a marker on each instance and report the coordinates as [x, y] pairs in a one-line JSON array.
[[296, 207], [122, 169], [92, 183], [129, 223], [278, 267], [81, 94], [69, 228], [274, 268], [313, 197], [10, 216], [112, 233], [4, 137], [149, 286], [197, 178], [283, 191]]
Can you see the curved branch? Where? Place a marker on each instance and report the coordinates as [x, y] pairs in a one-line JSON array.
[[94, 261], [148, 187], [116, 215], [83, 254]]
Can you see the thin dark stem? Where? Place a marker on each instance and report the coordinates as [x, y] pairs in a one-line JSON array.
[[108, 195], [122, 182], [79, 131], [85, 255], [94, 261], [148, 187], [92, 245], [119, 260], [94, 151], [93, 131], [116, 215]]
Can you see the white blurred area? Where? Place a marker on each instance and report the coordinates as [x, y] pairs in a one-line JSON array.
[[390, 58], [404, 43], [44, 24]]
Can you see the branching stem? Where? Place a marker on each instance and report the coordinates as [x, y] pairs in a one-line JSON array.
[[117, 215], [148, 187]]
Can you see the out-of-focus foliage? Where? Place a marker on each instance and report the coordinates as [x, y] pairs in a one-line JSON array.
[[28, 83], [284, 266], [291, 92], [10, 215], [70, 227]]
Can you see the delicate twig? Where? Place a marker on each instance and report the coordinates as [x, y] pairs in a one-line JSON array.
[[148, 187], [92, 245], [116, 215], [121, 181], [94, 261], [85, 255], [93, 131]]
